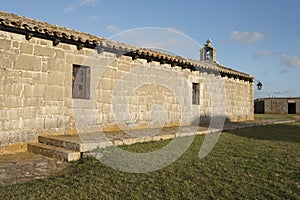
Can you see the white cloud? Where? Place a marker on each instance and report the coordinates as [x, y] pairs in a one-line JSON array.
[[246, 37], [112, 28], [87, 2], [264, 53], [69, 9], [80, 3], [290, 61], [286, 60]]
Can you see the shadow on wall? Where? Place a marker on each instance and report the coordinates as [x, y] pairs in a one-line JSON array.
[[213, 122], [278, 132]]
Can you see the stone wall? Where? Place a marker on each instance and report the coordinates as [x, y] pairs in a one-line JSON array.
[[36, 92]]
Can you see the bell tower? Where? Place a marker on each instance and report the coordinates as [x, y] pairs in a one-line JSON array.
[[208, 52]]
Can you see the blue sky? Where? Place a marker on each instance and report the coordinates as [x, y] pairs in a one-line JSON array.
[[259, 37]]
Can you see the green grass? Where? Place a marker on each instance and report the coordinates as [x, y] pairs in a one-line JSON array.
[[255, 163], [275, 116]]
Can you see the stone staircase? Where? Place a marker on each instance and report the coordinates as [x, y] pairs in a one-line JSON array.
[[67, 147], [73, 147], [54, 152]]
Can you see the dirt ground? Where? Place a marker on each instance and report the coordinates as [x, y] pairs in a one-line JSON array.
[[22, 167]]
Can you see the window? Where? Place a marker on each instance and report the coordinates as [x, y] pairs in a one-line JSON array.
[[196, 93], [81, 82]]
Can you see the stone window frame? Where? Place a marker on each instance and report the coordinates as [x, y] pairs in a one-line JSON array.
[[195, 93], [81, 78]]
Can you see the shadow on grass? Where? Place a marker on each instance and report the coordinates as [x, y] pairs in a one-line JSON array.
[[279, 132], [277, 116]]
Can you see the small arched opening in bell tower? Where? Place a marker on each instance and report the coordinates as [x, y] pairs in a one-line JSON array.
[[208, 52]]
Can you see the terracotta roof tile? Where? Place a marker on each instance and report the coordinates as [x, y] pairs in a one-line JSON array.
[[32, 25]]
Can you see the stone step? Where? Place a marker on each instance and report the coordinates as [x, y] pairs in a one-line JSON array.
[[62, 142], [53, 152], [85, 143]]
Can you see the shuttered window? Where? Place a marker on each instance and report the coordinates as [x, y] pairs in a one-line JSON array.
[[81, 82], [196, 93]]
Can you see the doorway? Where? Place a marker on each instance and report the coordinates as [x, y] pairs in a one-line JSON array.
[[291, 108]]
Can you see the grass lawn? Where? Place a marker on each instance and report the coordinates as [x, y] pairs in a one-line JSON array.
[[255, 163], [276, 116]]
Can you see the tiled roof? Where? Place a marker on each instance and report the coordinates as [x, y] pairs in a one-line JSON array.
[[24, 25]]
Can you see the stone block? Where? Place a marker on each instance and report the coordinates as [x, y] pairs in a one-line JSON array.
[[54, 64], [34, 90], [55, 78], [66, 46], [5, 44], [108, 72], [28, 62], [126, 59], [114, 63], [18, 37], [52, 110], [74, 59], [16, 44], [26, 74], [63, 121], [112, 84], [1, 101], [50, 123], [106, 108], [43, 51], [68, 92], [13, 125], [40, 123], [106, 97], [60, 54], [12, 102], [5, 35], [40, 78], [46, 42], [30, 123], [31, 102], [28, 112], [9, 114], [103, 62], [118, 75], [104, 84], [54, 93], [7, 60], [13, 89], [26, 48]]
